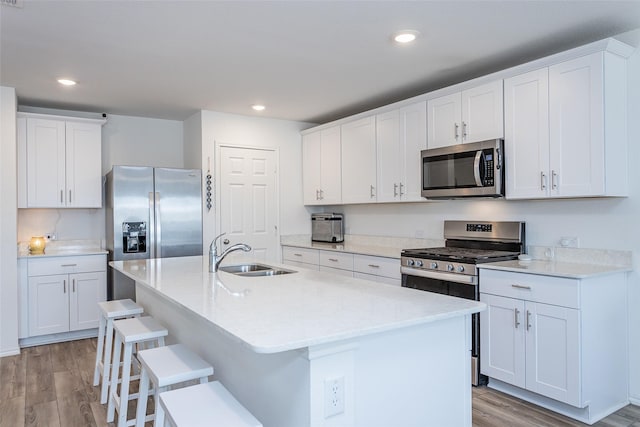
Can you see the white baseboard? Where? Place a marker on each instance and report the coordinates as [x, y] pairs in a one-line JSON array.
[[53, 338], [634, 400], [11, 352]]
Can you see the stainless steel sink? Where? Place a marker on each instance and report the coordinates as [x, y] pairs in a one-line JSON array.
[[254, 270]]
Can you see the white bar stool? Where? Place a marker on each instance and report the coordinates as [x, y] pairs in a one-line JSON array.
[[164, 367], [204, 405], [110, 311], [128, 332]]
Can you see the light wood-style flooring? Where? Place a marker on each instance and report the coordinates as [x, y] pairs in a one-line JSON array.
[[51, 385]]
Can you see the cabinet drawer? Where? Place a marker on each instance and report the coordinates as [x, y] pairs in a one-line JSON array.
[[300, 264], [66, 265], [379, 279], [308, 256], [338, 271], [387, 267], [336, 260], [531, 287]]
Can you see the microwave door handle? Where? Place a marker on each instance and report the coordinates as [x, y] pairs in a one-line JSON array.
[[476, 168]]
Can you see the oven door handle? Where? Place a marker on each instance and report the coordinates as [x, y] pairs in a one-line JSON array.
[[458, 278]]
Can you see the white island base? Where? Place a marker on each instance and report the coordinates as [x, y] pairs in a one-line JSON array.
[[413, 376]]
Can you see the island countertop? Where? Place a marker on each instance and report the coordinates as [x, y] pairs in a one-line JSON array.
[[291, 311]]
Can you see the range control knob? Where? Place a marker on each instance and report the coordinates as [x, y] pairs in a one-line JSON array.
[[450, 267], [410, 262], [419, 263], [434, 265], [460, 268]]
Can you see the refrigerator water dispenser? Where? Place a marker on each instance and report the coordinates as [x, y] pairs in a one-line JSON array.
[[134, 237]]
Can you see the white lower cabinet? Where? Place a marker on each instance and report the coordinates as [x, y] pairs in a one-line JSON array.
[[374, 268], [561, 338], [63, 293]]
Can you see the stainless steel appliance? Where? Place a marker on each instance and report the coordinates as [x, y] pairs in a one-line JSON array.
[[451, 270], [464, 170], [327, 227], [150, 213]]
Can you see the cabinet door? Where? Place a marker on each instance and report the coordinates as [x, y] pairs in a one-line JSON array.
[[576, 126], [443, 121], [526, 102], [45, 163], [311, 168], [553, 352], [83, 165], [502, 339], [389, 152], [359, 161], [48, 304], [330, 166], [87, 290], [482, 112], [413, 138]]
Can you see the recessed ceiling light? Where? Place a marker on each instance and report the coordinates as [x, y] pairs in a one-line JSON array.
[[405, 36], [66, 82], [258, 107]]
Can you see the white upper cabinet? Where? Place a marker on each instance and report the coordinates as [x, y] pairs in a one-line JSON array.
[[565, 129], [475, 114], [321, 160], [359, 161], [401, 135], [60, 162]]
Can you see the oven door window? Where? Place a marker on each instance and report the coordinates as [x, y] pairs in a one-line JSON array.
[[456, 170]]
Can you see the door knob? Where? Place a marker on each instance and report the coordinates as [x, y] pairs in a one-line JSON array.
[[225, 241]]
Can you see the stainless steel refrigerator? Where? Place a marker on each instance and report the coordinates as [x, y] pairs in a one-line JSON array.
[[150, 213]]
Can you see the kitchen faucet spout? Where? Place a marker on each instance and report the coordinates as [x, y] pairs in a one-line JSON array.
[[215, 259]]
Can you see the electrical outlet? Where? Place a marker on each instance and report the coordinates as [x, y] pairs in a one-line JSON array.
[[569, 242], [50, 236], [333, 396]]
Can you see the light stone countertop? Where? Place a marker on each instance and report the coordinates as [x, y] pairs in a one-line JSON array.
[[389, 247], [569, 270], [64, 248], [292, 311]]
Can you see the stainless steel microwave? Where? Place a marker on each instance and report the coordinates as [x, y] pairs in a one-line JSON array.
[[464, 170]]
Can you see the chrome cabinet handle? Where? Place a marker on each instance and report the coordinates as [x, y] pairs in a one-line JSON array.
[[64, 286], [543, 181], [554, 180], [297, 254], [516, 312], [372, 191], [521, 287], [464, 130], [395, 190], [374, 266], [69, 196], [401, 187], [73, 284], [68, 265], [455, 130], [333, 260], [61, 196], [321, 194], [528, 320]]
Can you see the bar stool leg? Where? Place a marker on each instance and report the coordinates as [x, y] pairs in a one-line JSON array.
[[124, 386], [106, 366], [101, 335], [159, 415], [143, 395], [111, 407]]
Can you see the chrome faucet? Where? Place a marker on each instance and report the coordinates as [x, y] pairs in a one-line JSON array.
[[215, 259]]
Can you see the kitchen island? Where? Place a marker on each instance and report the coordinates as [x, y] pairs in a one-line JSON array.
[[282, 344]]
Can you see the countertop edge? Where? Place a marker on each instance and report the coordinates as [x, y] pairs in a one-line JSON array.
[[64, 254], [561, 269]]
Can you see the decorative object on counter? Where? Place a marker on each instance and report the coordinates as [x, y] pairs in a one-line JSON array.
[[37, 245]]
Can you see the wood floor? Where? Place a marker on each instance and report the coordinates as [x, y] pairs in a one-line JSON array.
[[50, 385]]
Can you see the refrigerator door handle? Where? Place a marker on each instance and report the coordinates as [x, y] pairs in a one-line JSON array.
[[152, 226], [158, 226]]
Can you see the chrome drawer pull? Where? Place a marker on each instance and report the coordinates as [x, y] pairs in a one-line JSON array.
[[521, 287], [374, 266], [333, 259], [68, 265], [297, 254]]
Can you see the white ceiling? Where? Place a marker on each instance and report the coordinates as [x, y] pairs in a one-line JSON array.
[[306, 60]]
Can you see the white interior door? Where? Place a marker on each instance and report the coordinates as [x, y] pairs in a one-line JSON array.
[[248, 203]]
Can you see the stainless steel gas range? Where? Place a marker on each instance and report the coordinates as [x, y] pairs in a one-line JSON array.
[[452, 269]]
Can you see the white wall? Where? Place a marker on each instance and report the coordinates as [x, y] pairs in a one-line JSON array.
[[8, 252], [256, 132], [598, 223]]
